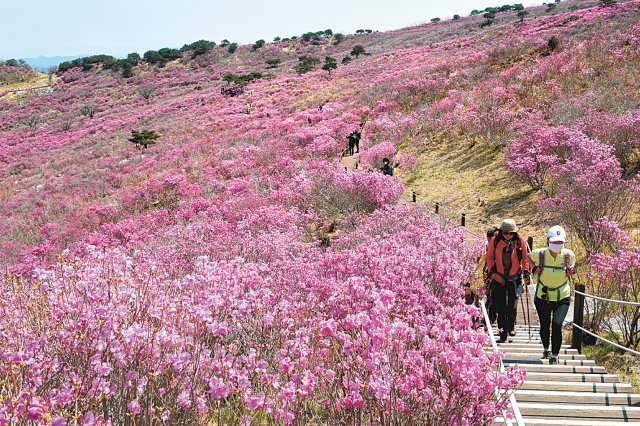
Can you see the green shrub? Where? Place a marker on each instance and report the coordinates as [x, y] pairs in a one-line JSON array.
[[198, 48], [232, 48], [133, 58], [306, 64], [127, 70], [143, 138], [242, 80], [258, 44], [273, 62]]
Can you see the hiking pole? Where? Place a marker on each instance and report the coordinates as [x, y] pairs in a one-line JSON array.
[[526, 294]]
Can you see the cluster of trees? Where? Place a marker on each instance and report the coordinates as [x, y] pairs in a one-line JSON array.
[[231, 47], [157, 57], [308, 63], [107, 62], [317, 35], [13, 71], [504, 8], [489, 13], [16, 63], [198, 48], [161, 57], [314, 37], [201, 47], [242, 80]]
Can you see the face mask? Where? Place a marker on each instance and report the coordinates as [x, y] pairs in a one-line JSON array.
[[556, 247]]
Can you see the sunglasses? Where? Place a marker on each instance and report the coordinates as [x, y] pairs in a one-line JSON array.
[[507, 232]]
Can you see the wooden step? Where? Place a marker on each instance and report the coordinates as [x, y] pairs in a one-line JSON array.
[[563, 368], [507, 361], [532, 421], [572, 362], [536, 346], [563, 397], [538, 355], [558, 385], [577, 411], [532, 349], [577, 377]]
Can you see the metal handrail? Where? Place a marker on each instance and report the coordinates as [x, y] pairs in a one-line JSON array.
[[512, 398], [617, 345], [622, 302]]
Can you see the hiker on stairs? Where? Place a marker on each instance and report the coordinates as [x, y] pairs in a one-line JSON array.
[[508, 263], [484, 274], [554, 266]]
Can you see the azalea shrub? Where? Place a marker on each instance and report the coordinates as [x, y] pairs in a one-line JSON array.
[[616, 275], [235, 273], [372, 330]]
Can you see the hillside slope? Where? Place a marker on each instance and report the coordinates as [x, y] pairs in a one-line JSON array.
[[222, 267]]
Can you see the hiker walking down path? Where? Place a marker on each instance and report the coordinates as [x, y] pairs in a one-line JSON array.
[[387, 168], [508, 264], [554, 266]]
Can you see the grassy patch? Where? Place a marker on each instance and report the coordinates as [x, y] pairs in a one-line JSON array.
[[469, 176], [625, 365]]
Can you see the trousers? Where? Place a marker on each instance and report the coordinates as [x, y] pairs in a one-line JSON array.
[[545, 312], [504, 300]]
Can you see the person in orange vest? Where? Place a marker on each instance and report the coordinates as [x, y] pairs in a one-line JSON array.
[[508, 264], [554, 266]]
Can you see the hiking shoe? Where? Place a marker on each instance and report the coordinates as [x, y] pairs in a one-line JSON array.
[[503, 339], [546, 354], [512, 333], [553, 360]]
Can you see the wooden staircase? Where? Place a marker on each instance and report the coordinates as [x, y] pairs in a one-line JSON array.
[[576, 391]]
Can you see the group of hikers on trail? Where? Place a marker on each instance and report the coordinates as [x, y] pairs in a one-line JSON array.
[[509, 264], [354, 143]]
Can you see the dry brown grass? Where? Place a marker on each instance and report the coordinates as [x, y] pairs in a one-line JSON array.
[[469, 176]]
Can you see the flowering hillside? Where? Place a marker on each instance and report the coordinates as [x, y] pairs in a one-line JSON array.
[[233, 272]]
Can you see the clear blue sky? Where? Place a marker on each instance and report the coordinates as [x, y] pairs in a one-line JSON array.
[[71, 27]]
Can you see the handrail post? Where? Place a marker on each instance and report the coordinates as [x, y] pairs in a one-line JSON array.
[[578, 318], [413, 195], [463, 220], [437, 208]]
